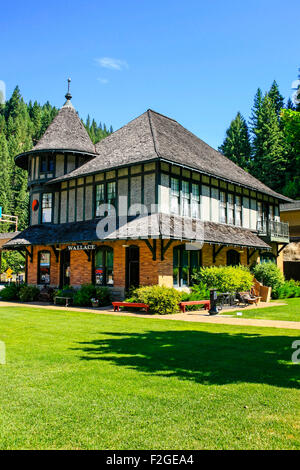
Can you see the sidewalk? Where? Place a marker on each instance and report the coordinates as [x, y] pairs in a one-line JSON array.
[[201, 316]]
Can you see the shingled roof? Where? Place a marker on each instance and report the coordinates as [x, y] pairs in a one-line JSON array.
[[150, 226], [154, 136], [66, 132]]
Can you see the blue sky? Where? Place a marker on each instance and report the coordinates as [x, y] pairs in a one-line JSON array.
[[196, 61]]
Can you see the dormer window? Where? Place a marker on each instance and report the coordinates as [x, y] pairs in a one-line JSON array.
[[47, 163]]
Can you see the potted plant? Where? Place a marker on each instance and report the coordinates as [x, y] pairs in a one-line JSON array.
[[95, 302]]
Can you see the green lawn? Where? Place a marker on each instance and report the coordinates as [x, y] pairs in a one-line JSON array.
[[77, 380], [289, 312]]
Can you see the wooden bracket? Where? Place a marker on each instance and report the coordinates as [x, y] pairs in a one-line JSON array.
[[30, 253], [249, 255], [22, 254], [216, 252], [152, 248], [280, 249], [88, 254], [56, 252], [165, 248]]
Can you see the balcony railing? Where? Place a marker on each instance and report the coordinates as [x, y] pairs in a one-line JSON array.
[[275, 231]]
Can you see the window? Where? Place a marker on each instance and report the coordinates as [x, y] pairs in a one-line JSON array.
[[47, 207], [238, 211], [44, 267], [259, 211], [223, 211], [185, 198], [184, 263], [195, 201], [230, 209], [174, 195], [233, 258], [100, 198], [111, 193], [267, 258], [104, 261], [105, 193], [271, 212], [47, 163]]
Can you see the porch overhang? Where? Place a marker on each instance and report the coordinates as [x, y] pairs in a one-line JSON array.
[[155, 226]]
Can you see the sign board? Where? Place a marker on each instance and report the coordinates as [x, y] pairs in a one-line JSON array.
[[9, 273], [0, 212], [81, 247]]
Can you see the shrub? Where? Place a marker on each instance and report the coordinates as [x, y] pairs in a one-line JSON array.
[[286, 290], [10, 292], [84, 295], [161, 300], [29, 293], [269, 275], [103, 294], [87, 292], [198, 292], [224, 278]]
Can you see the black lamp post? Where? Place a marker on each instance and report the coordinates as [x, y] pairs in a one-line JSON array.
[[213, 302]]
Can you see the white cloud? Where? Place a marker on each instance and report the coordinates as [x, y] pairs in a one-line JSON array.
[[104, 81], [113, 64]]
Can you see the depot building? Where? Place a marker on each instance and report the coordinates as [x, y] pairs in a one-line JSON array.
[[187, 206]]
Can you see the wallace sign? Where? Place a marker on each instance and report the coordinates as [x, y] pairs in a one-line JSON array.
[[81, 247]]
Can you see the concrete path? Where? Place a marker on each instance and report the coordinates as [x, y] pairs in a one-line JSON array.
[[202, 317]]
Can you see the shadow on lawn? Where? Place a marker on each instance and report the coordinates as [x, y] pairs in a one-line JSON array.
[[207, 358]]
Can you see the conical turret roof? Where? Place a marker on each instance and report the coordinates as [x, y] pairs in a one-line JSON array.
[[66, 132]]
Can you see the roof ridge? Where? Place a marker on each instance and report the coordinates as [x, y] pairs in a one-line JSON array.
[[163, 115], [153, 133]]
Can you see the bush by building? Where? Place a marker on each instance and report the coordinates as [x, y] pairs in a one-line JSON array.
[[223, 278], [161, 300]]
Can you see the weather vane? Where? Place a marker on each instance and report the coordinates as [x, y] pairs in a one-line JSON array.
[[68, 94]]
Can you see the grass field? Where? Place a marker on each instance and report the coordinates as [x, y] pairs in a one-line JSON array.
[[288, 312], [83, 381]]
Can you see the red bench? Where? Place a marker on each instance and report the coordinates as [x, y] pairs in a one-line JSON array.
[[117, 305], [206, 304]]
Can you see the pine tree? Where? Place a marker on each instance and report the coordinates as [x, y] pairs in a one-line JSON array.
[[236, 145], [276, 97], [269, 150], [5, 170], [290, 105]]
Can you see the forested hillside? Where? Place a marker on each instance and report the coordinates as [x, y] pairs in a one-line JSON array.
[[21, 126], [268, 146]]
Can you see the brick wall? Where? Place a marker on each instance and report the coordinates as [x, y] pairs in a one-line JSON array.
[[151, 272]]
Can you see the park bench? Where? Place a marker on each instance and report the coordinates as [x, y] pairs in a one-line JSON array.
[[206, 304], [68, 300], [117, 305]]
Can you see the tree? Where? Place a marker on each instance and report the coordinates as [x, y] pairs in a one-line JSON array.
[[276, 98], [5, 170], [269, 158], [236, 145], [291, 131]]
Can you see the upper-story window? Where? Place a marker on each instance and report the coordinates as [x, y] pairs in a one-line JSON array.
[[175, 193], [230, 209], [195, 201], [223, 208], [47, 207], [238, 211], [106, 193], [47, 163], [185, 198]]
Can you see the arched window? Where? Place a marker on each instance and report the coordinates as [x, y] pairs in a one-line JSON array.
[[44, 260], [233, 258], [267, 258], [104, 262], [184, 263]]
